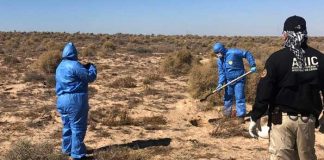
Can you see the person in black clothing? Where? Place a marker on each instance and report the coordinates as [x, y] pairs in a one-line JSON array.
[[289, 89]]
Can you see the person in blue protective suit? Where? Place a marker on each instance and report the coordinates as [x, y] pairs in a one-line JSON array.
[[230, 66], [72, 80]]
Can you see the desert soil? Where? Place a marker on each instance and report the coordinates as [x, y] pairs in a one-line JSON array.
[[28, 111]]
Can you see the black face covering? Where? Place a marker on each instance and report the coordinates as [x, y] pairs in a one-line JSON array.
[[294, 42]]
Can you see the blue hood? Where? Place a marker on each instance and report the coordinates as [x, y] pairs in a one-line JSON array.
[[70, 52], [219, 47]]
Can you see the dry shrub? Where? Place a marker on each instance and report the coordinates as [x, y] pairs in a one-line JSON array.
[[149, 91], [109, 46], [101, 132], [1, 51], [203, 80], [119, 153], [111, 116], [155, 120], [134, 102], [119, 117], [92, 91], [228, 127], [252, 81], [203, 107], [50, 81], [251, 86], [48, 61], [10, 60], [124, 82], [139, 50], [34, 76], [151, 77], [18, 127], [25, 150], [89, 51], [40, 117], [56, 134], [178, 63], [151, 123]]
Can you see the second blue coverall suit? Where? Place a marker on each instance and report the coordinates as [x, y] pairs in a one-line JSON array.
[[230, 66], [72, 80]]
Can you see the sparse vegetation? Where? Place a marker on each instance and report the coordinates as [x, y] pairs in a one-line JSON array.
[[151, 77], [34, 76], [124, 82], [10, 60], [89, 51], [149, 90], [117, 117], [178, 63], [111, 116], [109, 46], [228, 127], [25, 150], [118, 153], [48, 61], [141, 92], [203, 80]]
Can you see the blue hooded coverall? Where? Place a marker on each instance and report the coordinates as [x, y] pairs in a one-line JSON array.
[[231, 66], [72, 80]]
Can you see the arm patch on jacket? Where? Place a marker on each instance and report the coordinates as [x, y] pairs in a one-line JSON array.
[[264, 73]]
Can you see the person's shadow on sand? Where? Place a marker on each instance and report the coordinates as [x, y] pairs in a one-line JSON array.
[[138, 144]]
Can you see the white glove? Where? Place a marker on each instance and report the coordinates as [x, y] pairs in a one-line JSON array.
[[253, 129], [264, 133]]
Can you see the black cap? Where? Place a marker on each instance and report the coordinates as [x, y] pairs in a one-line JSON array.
[[295, 23]]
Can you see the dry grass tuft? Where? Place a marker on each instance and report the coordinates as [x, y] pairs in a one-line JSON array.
[[178, 63], [48, 61], [25, 150], [10, 60], [92, 91], [228, 127], [151, 123], [150, 78], [119, 117], [125, 82], [111, 116], [119, 153], [134, 102], [202, 78], [89, 51], [150, 91], [109, 46], [34, 76], [155, 120]]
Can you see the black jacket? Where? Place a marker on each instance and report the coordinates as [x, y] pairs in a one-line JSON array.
[[284, 85]]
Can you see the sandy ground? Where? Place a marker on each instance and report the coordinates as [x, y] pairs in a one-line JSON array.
[[28, 112]]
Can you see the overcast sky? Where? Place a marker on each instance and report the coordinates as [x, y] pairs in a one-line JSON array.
[[202, 17]]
